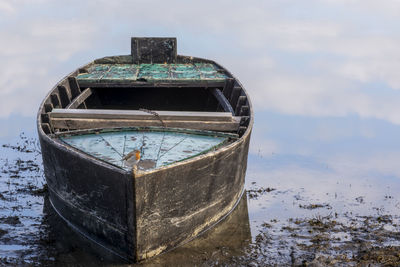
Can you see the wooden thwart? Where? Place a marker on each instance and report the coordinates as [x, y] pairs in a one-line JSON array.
[[97, 118], [139, 114], [76, 124]]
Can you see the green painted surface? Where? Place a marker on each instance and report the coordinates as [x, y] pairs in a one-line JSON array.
[[120, 72], [158, 148], [196, 72]]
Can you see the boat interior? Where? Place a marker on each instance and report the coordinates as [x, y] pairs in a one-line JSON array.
[[164, 90]]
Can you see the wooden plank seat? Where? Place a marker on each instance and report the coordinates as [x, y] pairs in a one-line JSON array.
[[73, 119]]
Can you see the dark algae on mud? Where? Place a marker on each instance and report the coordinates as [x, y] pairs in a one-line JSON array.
[[30, 230]]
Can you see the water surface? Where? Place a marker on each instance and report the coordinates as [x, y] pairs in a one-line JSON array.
[[323, 172]]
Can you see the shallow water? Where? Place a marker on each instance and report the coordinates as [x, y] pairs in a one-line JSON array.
[[302, 207], [323, 174]]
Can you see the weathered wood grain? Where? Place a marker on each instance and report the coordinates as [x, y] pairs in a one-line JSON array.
[[227, 91], [48, 107], [235, 96], [153, 50], [82, 70], [222, 100], [74, 86], [46, 128], [241, 101], [122, 59], [244, 110], [242, 130], [80, 99], [244, 120], [140, 115], [64, 98], [55, 99], [79, 123]]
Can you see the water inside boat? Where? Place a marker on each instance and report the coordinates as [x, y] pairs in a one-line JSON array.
[[158, 147]]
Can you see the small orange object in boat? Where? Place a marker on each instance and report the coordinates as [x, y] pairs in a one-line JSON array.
[[132, 158]]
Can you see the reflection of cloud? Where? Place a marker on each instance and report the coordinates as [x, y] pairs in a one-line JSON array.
[[296, 58], [330, 132], [381, 164], [386, 8], [262, 146], [5, 6], [29, 52], [15, 125], [323, 96], [327, 138], [338, 183], [351, 148], [12, 6]]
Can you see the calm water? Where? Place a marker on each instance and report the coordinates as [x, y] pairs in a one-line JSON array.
[[323, 174]]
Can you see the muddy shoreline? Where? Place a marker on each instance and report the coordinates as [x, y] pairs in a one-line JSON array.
[[311, 232]]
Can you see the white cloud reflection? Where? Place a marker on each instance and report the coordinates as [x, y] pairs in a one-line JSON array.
[[31, 49], [6, 7], [316, 59]]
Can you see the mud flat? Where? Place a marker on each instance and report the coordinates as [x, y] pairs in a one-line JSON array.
[[274, 224]]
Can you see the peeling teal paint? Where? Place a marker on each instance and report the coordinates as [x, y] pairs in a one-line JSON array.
[[91, 76], [152, 72], [205, 67], [186, 75], [160, 148], [121, 72]]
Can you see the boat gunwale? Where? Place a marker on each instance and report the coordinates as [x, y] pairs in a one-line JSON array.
[[145, 128]]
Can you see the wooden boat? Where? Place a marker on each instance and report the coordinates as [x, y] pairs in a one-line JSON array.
[[190, 121]]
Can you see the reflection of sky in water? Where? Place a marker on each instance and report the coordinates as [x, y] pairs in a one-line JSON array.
[[320, 58], [322, 75], [349, 163]]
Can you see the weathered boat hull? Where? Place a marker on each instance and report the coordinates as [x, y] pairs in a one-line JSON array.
[[175, 204], [137, 215], [232, 234], [96, 199]]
